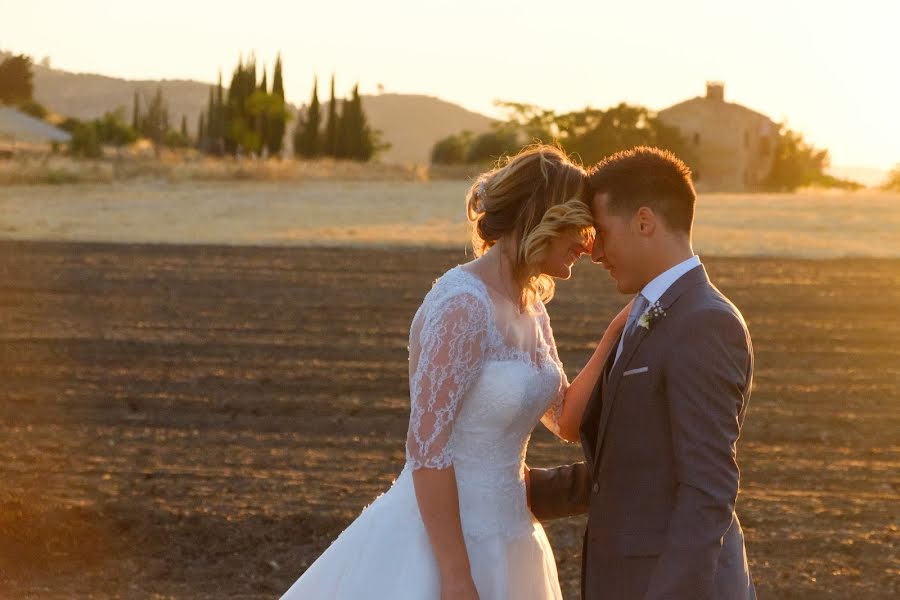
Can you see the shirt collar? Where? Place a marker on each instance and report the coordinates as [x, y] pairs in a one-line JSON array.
[[654, 290]]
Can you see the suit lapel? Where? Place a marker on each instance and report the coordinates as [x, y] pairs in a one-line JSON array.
[[632, 343], [693, 277]]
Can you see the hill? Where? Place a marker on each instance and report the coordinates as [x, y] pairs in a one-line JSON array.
[[410, 123]]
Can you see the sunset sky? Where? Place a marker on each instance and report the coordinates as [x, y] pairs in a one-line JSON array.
[[829, 69]]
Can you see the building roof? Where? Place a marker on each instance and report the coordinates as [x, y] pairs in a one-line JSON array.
[[704, 100], [16, 126]]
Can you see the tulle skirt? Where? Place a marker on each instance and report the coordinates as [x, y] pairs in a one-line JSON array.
[[386, 553]]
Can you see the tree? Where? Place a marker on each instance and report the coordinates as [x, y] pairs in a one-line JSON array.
[[329, 144], [250, 118], [264, 108], [893, 181], [278, 124], [16, 79], [307, 139], [366, 141], [88, 137], [70, 124], [589, 134], [355, 139], [212, 139], [342, 134], [261, 114], [350, 130], [136, 113], [155, 123], [33, 108], [112, 129], [491, 145], [217, 118], [201, 133], [184, 129], [533, 122], [593, 134], [175, 139], [453, 149], [799, 164], [264, 84], [85, 142], [241, 126]]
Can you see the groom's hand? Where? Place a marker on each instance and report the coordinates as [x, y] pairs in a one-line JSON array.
[[559, 492]]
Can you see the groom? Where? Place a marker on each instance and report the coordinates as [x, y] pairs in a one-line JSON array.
[[660, 431]]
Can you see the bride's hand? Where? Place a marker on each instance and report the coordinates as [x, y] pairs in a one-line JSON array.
[[462, 588]]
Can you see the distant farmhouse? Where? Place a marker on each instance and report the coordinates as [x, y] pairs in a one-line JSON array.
[[733, 146]]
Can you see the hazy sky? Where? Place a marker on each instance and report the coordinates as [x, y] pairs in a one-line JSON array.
[[828, 68]]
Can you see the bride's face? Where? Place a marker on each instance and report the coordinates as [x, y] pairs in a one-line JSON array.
[[561, 254]]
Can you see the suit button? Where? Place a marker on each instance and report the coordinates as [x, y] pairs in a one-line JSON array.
[[596, 488]]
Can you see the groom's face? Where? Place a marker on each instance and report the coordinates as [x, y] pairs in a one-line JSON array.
[[617, 247]]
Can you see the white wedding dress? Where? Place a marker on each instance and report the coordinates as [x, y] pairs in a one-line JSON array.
[[481, 377]]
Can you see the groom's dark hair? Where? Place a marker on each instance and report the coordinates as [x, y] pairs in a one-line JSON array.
[[648, 177]]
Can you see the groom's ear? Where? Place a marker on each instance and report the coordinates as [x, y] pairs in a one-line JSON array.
[[645, 220]]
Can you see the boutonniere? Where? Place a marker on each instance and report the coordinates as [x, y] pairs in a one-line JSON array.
[[653, 314]]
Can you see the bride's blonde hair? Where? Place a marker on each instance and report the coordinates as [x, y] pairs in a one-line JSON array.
[[533, 197]]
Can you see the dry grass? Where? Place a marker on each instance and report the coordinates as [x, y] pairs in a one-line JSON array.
[[324, 211], [190, 166]]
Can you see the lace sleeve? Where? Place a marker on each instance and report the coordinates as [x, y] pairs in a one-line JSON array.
[[446, 354], [551, 417]]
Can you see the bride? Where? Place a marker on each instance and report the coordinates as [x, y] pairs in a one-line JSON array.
[[483, 370]]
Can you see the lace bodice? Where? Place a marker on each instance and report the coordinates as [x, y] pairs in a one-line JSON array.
[[475, 398]]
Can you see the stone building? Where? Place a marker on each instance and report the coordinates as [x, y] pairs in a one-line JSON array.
[[733, 147]]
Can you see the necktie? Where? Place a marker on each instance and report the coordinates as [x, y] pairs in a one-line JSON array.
[[637, 309]]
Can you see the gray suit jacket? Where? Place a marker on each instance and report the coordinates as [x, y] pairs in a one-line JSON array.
[[661, 478]]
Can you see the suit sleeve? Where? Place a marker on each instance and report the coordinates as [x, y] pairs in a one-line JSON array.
[[560, 492], [706, 383]]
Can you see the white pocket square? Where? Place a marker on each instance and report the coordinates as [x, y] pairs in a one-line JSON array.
[[635, 371]]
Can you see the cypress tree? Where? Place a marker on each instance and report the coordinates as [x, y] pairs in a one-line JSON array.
[[331, 126], [207, 140], [310, 142], [250, 86], [262, 118], [363, 146], [155, 123], [277, 78], [217, 117], [278, 123], [240, 127], [353, 135], [201, 133], [233, 108], [297, 138], [136, 113], [343, 143], [356, 131]]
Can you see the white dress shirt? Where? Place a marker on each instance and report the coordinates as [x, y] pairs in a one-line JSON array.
[[654, 290]]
